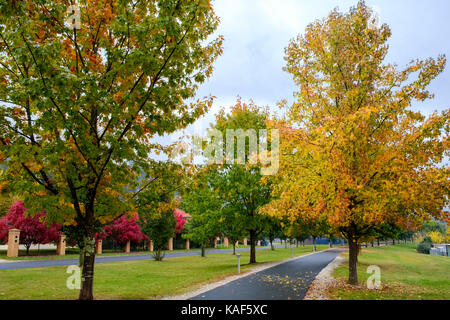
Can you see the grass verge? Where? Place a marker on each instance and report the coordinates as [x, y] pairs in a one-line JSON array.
[[405, 275], [136, 279]]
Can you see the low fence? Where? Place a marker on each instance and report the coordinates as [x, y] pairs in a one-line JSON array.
[[440, 250]]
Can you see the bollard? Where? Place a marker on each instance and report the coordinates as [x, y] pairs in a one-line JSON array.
[[239, 263]]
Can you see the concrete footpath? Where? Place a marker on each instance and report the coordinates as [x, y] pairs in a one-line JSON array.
[[286, 281]]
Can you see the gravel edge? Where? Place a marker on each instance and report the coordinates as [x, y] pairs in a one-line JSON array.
[[324, 280]]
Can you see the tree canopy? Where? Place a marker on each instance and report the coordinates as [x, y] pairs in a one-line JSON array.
[[352, 149], [80, 103]]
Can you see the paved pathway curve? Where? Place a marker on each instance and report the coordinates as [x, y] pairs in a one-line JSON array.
[[25, 264], [287, 281]]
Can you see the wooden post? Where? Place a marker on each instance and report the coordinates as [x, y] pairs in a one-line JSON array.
[[170, 244], [187, 245], [128, 247], [61, 247], [13, 243], [99, 247], [226, 242]]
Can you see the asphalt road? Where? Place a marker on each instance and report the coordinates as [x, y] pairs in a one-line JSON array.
[[287, 281], [25, 264]]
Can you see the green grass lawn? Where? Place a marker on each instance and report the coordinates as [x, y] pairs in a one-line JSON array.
[[50, 254], [135, 279], [405, 275]]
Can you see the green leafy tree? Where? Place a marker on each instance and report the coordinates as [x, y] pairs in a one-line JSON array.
[[240, 183], [80, 103], [272, 230], [204, 205], [431, 226], [160, 228]]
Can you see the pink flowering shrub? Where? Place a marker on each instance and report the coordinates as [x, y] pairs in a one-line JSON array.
[[123, 230], [181, 220], [33, 230]]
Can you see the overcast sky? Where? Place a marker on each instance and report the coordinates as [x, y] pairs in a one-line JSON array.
[[257, 31]]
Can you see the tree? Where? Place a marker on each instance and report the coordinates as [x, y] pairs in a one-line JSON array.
[[431, 226], [232, 225], [239, 180], [160, 228], [389, 231], [5, 203], [6, 199], [80, 102], [351, 149], [436, 237], [204, 205], [298, 233], [273, 230], [33, 230], [315, 227], [125, 229]]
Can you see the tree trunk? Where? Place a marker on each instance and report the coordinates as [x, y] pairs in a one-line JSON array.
[[330, 245], [28, 249], [378, 241], [234, 248], [352, 261], [87, 279], [252, 247], [314, 244], [271, 245], [203, 251], [358, 246]]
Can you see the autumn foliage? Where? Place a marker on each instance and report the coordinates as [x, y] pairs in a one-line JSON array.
[[82, 102], [181, 220], [33, 229], [123, 230], [353, 151]]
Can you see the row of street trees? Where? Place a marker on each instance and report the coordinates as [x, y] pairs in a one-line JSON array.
[[354, 154]]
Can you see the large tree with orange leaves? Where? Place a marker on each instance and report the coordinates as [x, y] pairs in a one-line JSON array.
[[352, 149], [81, 101]]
